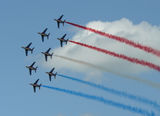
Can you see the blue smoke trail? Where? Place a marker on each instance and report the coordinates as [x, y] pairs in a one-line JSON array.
[[116, 92], [105, 101]]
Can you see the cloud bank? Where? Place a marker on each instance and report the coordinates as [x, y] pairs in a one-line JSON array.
[[143, 33]]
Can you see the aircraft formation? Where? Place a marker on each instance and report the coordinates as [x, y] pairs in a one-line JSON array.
[[47, 53], [53, 74]]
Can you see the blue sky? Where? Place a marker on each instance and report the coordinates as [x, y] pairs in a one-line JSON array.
[[19, 23]]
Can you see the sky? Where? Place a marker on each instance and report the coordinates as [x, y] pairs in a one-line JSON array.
[[21, 20]]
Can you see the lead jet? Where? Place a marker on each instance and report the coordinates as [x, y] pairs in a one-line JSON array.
[[63, 40], [43, 34], [31, 68], [60, 21], [27, 48], [35, 85], [46, 54], [51, 74]]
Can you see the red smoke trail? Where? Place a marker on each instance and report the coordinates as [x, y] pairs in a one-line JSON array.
[[121, 39], [130, 59]]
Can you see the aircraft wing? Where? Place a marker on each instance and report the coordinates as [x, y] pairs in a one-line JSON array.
[[34, 88], [48, 50], [28, 45], [45, 30], [26, 51], [36, 81], [30, 71], [60, 17], [33, 64], [49, 77], [66, 41], [58, 24], [45, 57], [55, 75], [52, 70], [64, 36], [42, 38], [61, 42]]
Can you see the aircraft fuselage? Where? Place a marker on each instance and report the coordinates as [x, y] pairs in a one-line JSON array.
[[42, 34], [49, 73], [30, 67], [60, 21], [63, 40], [35, 85], [27, 48], [46, 54]]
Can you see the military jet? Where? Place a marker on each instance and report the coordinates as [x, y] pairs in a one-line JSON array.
[[62, 40], [27, 48], [47, 54], [35, 85], [51, 74], [43, 34], [60, 21], [31, 68]]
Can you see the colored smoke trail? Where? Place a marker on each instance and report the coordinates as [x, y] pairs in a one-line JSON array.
[[115, 92], [148, 82], [121, 56], [121, 39], [105, 101]]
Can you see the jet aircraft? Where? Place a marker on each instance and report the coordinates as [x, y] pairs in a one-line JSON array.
[[62, 40], [27, 48], [31, 68], [43, 34], [46, 54], [51, 74], [60, 21], [35, 85]]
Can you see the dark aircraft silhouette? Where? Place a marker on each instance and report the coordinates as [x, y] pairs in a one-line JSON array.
[[31, 68], [60, 21], [62, 40], [35, 85], [43, 34], [46, 54], [51, 74], [27, 48]]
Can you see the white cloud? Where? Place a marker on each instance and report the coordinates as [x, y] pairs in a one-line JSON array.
[[143, 33]]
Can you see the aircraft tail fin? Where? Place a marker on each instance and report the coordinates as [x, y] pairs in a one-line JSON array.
[[48, 35], [32, 50], [55, 75], [66, 41], [63, 22], [51, 55], [36, 69], [40, 86]]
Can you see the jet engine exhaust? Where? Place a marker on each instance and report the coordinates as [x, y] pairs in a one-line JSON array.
[[138, 79], [121, 56], [103, 100], [121, 39]]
